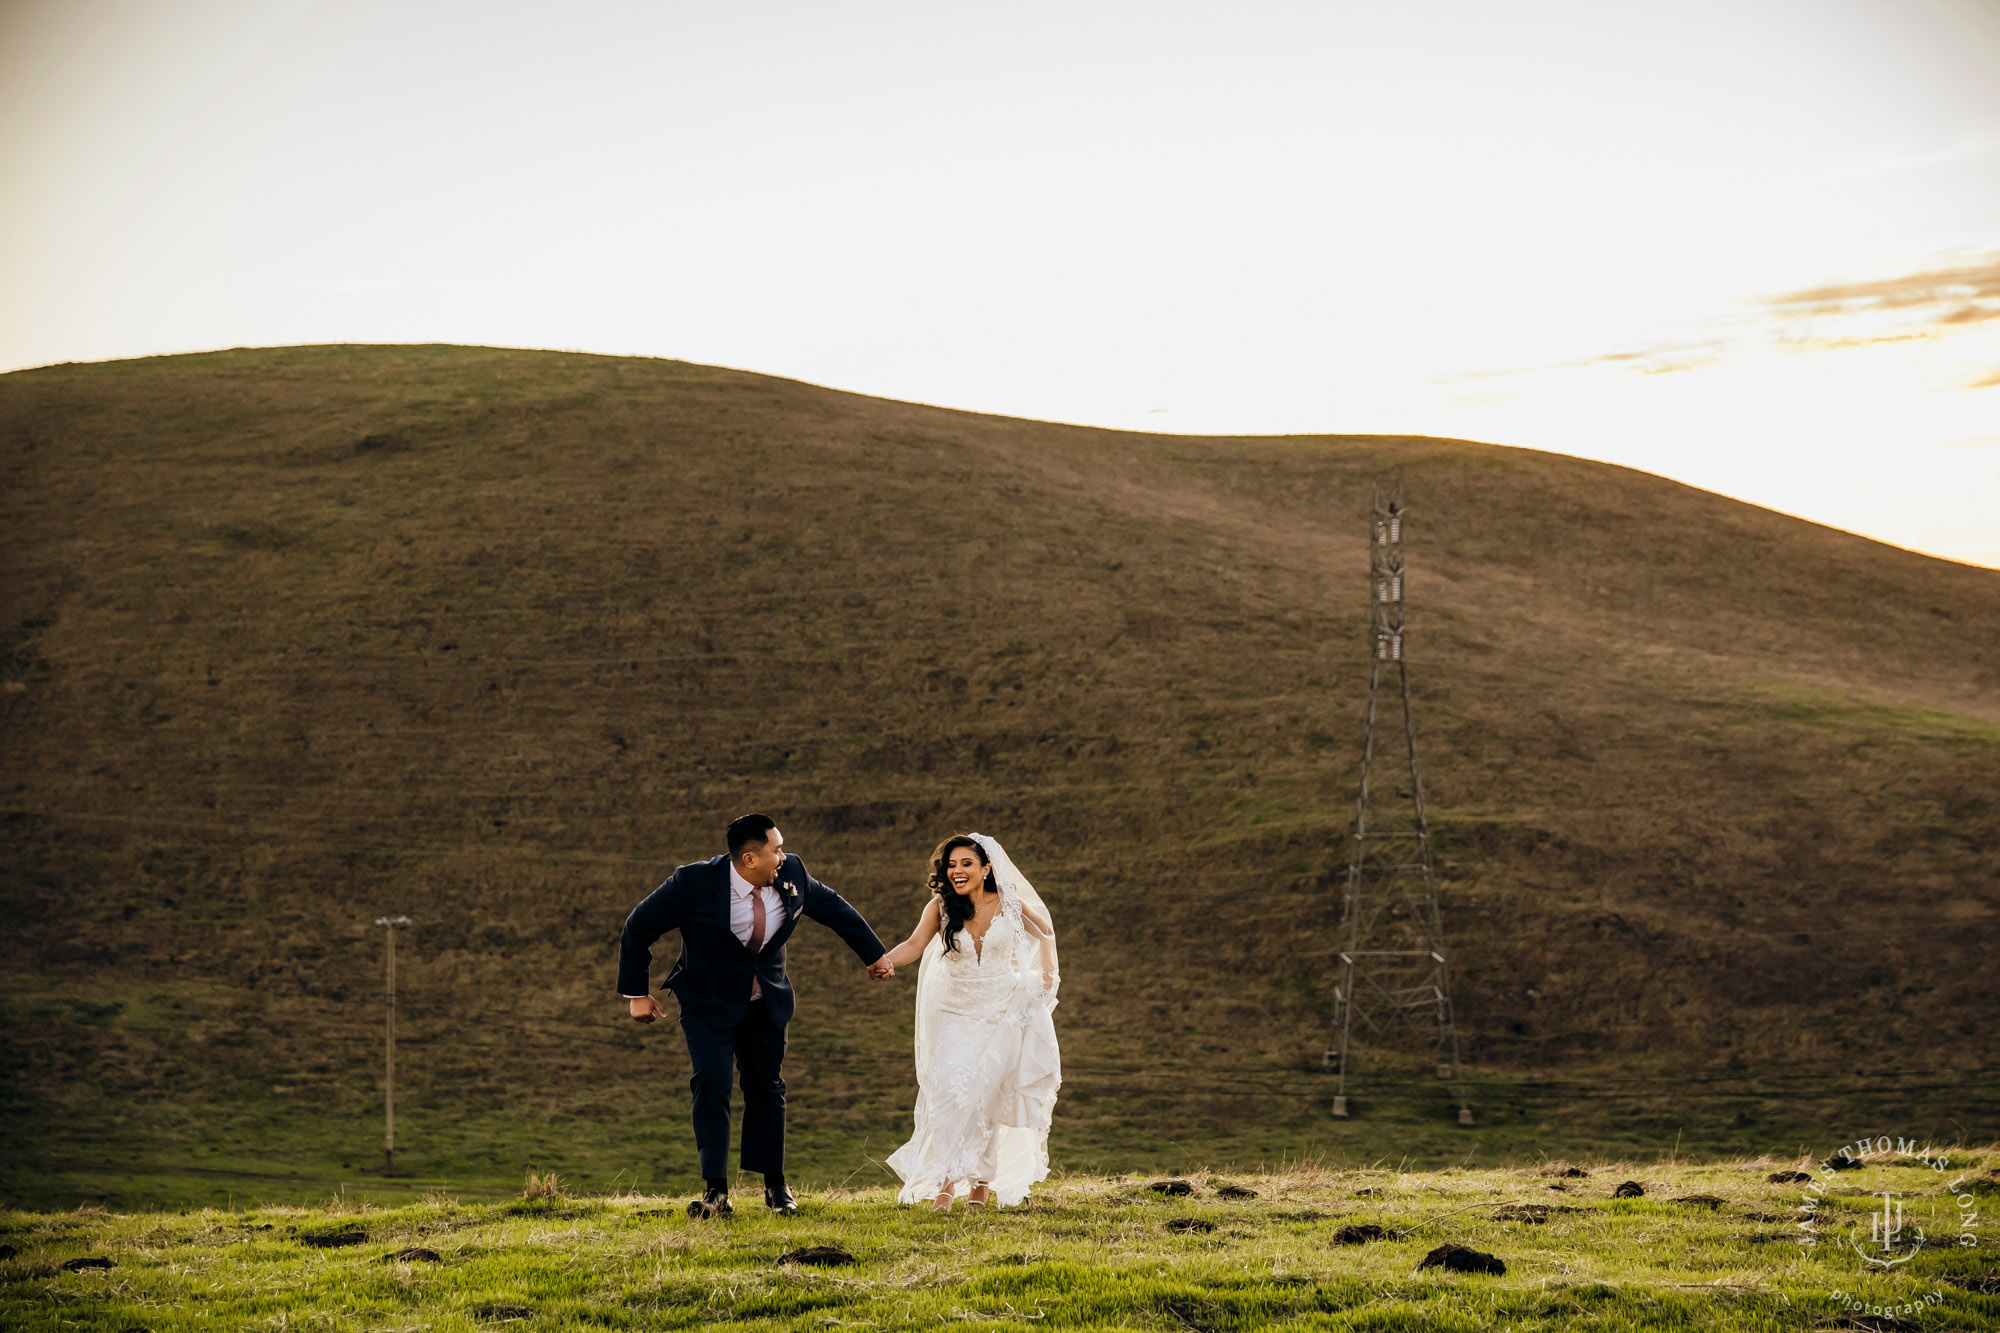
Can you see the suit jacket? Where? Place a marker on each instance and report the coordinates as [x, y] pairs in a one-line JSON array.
[[711, 978]]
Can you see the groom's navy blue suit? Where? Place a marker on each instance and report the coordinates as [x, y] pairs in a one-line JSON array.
[[712, 981]]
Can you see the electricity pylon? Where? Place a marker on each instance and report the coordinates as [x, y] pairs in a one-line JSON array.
[[1392, 960]]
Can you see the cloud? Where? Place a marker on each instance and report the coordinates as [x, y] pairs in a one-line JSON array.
[[1911, 307], [1672, 360], [1933, 286], [1662, 359]]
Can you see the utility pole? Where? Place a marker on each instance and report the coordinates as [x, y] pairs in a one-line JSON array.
[[1392, 938], [390, 925]]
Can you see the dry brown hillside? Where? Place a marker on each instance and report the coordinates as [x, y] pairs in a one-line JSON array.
[[296, 637]]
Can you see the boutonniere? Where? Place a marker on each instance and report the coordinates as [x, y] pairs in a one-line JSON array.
[[788, 890]]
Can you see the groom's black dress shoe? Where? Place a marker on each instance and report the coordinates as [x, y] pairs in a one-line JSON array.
[[778, 1198], [712, 1203]]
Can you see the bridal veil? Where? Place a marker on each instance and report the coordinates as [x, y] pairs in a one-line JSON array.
[[1012, 1095]]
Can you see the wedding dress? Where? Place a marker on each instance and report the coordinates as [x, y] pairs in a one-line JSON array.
[[987, 1061]]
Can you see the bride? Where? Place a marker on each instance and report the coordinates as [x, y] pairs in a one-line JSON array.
[[987, 1063]]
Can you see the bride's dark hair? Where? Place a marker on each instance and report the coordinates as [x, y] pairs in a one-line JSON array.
[[957, 906]]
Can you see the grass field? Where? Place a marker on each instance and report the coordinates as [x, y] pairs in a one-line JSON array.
[[294, 638], [1715, 1245]]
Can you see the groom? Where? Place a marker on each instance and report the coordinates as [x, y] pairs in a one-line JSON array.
[[734, 914]]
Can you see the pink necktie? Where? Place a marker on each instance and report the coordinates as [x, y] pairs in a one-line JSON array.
[[756, 935]]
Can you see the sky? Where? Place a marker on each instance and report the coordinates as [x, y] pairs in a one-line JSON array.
[[1752, 245]]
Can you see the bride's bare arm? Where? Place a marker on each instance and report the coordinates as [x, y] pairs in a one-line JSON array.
[[912, 948], [1039, 920]]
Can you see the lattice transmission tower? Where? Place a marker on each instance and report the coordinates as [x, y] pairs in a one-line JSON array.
[[1391, 985]]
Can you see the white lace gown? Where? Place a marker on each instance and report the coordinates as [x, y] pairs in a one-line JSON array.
[[987, 1069]]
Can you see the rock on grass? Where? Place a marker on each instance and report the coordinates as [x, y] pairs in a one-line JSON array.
[[821, 1256], [1631, 1189], [1173, 1189], [89, 1261], [333, 1240], [1359, 1234], [1188, 1224], [416, 1254], [1235, 1192], [1788, 1178], [1461, 1259]]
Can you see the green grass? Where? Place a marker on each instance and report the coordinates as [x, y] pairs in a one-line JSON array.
[[1084, 1252], [1811, 707], [224, 1154]]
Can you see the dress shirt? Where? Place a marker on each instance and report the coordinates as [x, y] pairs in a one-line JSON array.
[[740, 890], [740, 918]]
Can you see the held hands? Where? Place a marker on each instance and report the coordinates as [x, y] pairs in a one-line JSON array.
[[645, 1009], [882, 969]]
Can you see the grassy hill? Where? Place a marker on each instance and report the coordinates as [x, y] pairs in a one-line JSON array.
[[294, 638], [1716, 1247]]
